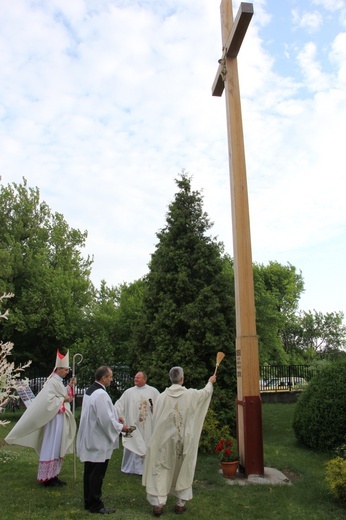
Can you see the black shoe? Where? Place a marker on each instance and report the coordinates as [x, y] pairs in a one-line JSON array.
[[60, 482], [53, 482], [104, 511]]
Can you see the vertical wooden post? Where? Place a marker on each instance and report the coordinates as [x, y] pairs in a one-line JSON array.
[[249, 406]]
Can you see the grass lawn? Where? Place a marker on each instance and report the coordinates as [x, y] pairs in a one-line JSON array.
[[22, 498]]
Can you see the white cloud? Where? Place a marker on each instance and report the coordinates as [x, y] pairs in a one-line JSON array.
[[338, 56], [102, 104], [311, 21], [311, 69], [331, 5]]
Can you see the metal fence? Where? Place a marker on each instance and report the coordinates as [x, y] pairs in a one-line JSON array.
[[122, 379], [276, 378]]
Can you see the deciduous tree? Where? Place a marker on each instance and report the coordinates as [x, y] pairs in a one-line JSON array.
[[42, 264], [277, 291], [313, 335]]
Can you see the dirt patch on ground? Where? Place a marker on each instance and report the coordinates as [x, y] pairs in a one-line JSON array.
[[203, 483], [293, 476]]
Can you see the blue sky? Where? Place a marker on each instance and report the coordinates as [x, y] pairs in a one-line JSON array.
[[104, 103]]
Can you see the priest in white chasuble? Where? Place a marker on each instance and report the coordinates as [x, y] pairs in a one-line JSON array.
[[171, 456], [136, 407]]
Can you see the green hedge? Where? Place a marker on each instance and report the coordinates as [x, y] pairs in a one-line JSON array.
[[320, 415]]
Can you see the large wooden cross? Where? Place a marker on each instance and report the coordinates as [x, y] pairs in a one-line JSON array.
[[249, 406]]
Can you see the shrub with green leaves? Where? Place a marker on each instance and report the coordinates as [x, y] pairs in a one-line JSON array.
[[320, 415], [212, 432], [336, 477]]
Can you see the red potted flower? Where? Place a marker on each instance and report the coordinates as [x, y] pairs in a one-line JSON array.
[[228, 454]]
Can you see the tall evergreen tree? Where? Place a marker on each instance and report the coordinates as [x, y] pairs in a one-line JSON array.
[[188, 307]]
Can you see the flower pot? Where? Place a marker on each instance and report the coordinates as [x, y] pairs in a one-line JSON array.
[[229, 469]]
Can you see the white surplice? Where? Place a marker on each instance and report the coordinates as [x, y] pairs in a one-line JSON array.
[[99, 429]]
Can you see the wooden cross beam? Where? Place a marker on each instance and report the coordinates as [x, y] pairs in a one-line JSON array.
[[232, 47], [249, 408]]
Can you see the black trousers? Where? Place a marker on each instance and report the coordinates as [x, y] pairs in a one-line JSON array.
[[94, 473]]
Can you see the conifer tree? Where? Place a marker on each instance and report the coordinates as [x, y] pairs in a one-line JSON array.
[[188, 310]]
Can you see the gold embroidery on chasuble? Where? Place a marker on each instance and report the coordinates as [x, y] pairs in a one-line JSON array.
[[177, 420], [142, 409]]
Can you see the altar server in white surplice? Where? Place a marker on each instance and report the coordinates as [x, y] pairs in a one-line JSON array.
[[98, 436], [136, 407]]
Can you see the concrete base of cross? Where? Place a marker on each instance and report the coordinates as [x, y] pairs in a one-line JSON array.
[[271, 476]]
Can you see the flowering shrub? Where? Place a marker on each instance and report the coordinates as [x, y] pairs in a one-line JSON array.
[[336, 473], [227, 450], [9, 375], [336, 477]]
